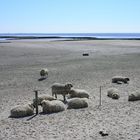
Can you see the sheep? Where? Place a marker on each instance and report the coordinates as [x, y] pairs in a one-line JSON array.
[[113, 93], [76, 103], [62, 89], [44, 73], [43, 97], [80, 93], [22, 111], [118, 79], [134, 96], [52, 106]]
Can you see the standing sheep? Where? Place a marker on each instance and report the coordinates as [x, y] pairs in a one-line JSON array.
[[80, 93], [62, 89], [22, 111], [118, 79], [52, 106], [44, 73], [76, 103], [113, 93], [43, 97], [134, 96]]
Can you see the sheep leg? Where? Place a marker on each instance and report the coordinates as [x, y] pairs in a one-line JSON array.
[[52, 93], [64, 98], [56, 96], [125, 81]]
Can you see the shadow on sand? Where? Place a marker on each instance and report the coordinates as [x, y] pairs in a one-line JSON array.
[[42, 78], [32, 117]]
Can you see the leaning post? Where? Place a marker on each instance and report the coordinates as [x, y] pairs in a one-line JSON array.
[[100, 102], [36, 101]]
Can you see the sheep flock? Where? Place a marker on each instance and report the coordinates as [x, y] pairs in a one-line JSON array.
[[73, 98]]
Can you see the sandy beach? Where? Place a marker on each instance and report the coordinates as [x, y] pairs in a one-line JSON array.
[[20, 64]]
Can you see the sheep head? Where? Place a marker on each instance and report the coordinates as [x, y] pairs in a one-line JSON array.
[[68, 85], [115, 96], [72, 91], [127, 79], [43, 103], [31, 105]]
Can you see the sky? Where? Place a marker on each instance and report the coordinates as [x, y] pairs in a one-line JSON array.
[[69, 16]]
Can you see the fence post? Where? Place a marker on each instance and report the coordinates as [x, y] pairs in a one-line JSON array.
[[36, 101], [100, 102]]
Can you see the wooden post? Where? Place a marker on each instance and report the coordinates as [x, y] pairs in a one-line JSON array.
[[100, 103], [36, 101]]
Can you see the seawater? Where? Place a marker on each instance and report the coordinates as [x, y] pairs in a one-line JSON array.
[[97, 35]]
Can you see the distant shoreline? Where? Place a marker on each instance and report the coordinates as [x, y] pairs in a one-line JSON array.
[[59, 38]]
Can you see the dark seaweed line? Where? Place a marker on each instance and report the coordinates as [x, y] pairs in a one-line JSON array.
[[64, 38]]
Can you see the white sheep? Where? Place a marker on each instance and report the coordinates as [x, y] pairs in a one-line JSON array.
[[22, 111], [76, 103], [52, 106], [62, 89], [44, 73], [80, 93], [113, 93], [118, 79], [134, 96], [43, 97]]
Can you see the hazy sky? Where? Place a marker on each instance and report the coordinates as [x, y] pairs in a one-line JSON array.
[[68, 16]]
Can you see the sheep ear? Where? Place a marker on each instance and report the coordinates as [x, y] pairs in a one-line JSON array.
[[128, 79], [31, 105], [42, 102], [69, 84]]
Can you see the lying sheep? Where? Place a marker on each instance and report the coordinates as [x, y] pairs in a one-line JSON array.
[[43, 97], [118, 79], [113, 93], [62, 89], [44, 73], [22, 111], [52, 106], [80, 93], [134, 96], [76, 103]]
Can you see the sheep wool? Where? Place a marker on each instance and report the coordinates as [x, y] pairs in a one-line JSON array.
[[113, 93], [77, 103], [22, 111], [62, 89], [44, 72], [52, 106], [118, 79], [79, 93], [43, 97], [134, 96]]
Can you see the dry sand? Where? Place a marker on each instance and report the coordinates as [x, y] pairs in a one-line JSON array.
[[20, 63]]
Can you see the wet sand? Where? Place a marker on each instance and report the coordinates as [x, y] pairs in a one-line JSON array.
[[20, 63]]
